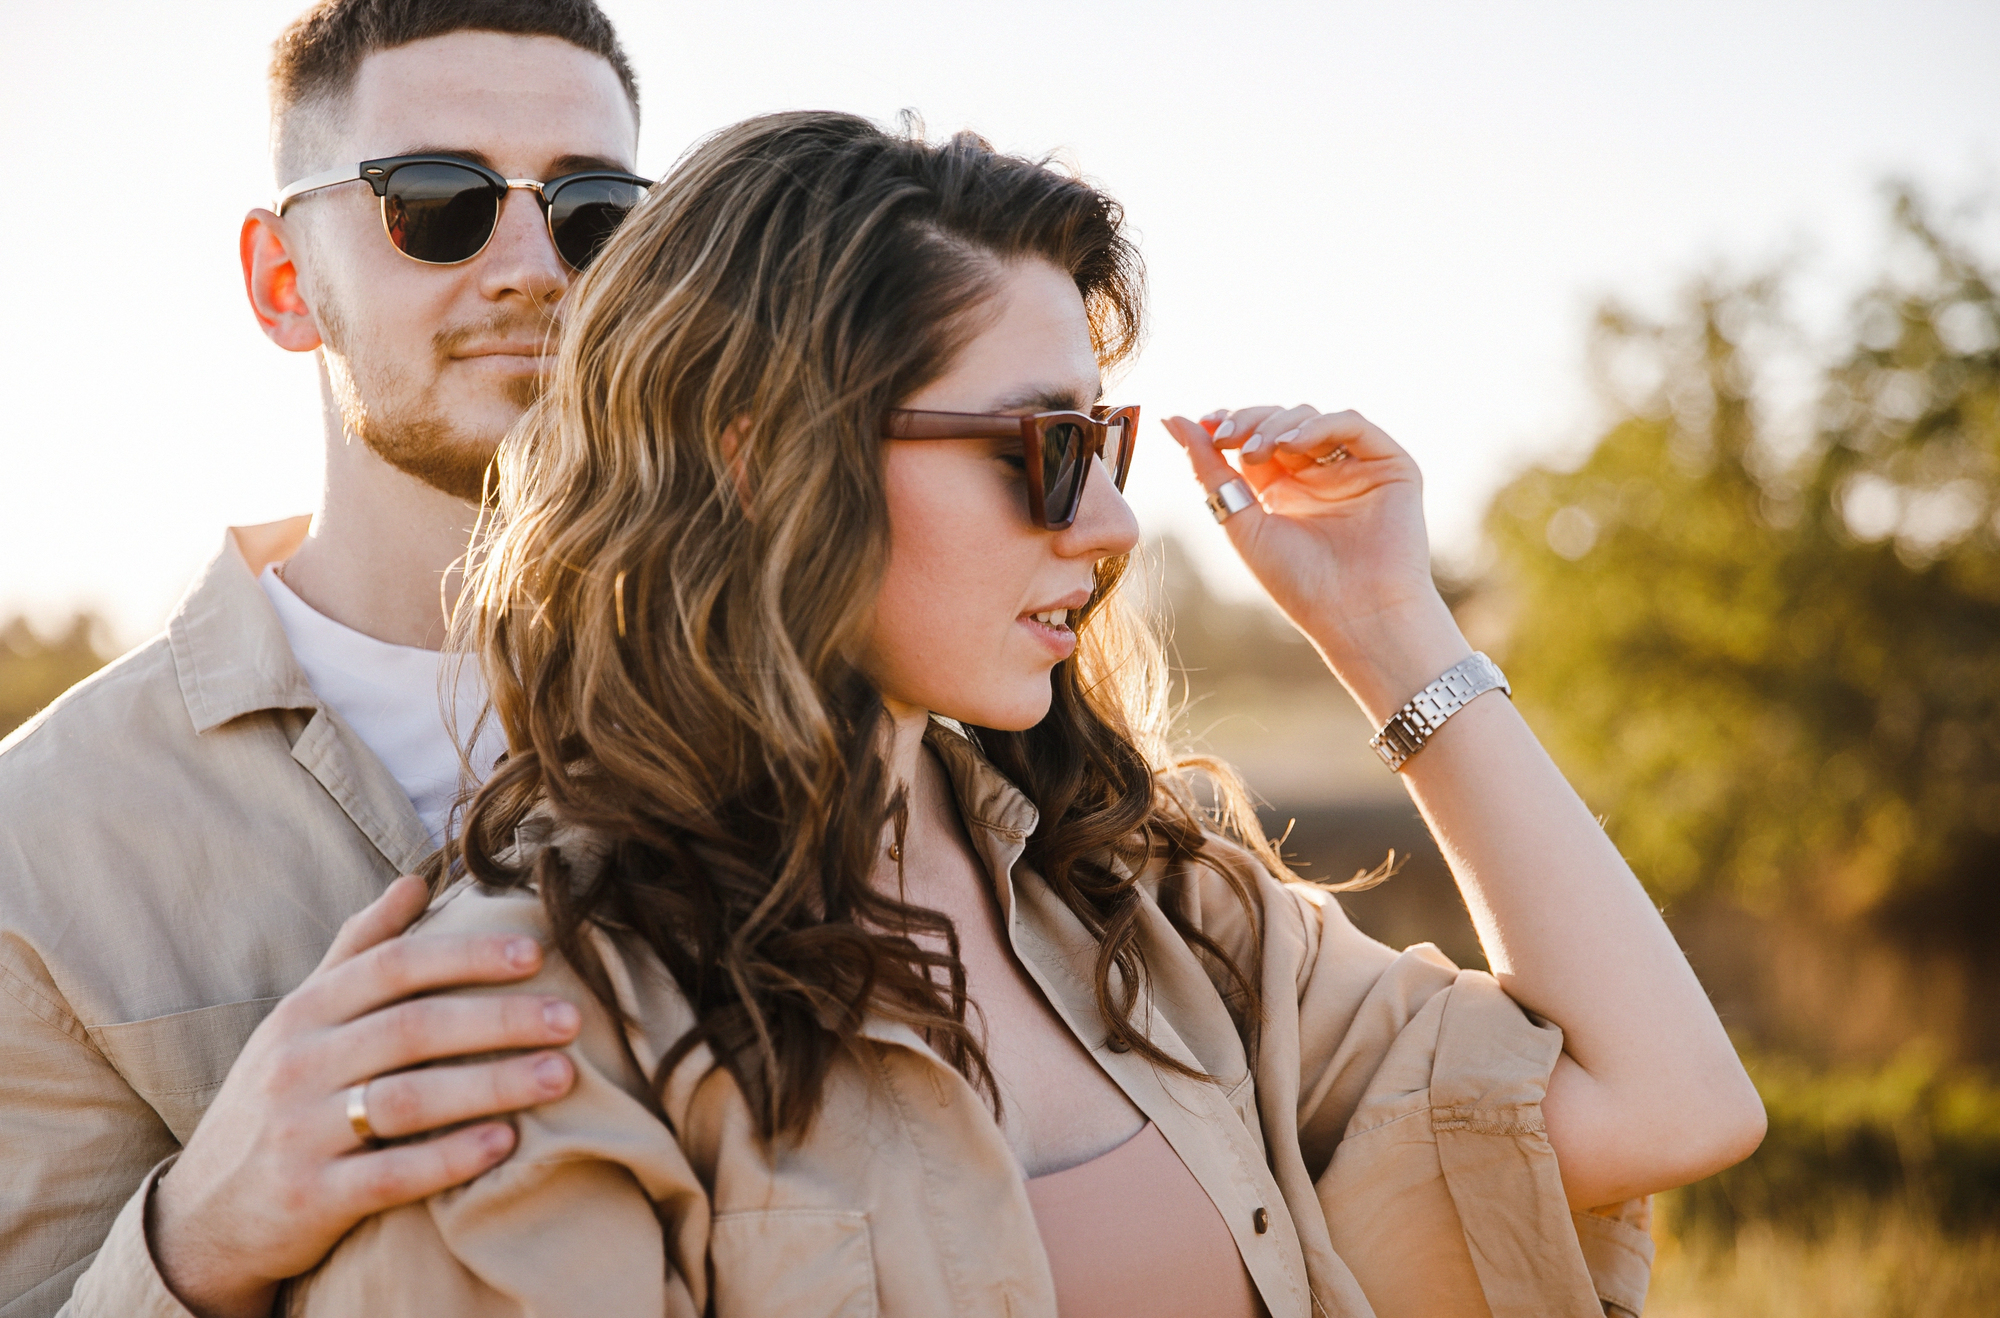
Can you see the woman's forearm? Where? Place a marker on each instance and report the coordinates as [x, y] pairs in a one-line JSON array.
[[1650, 1093]]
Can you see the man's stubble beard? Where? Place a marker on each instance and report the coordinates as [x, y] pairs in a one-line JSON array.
[[401, 424]]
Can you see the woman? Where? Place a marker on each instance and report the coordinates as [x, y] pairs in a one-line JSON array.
[[917, 981]]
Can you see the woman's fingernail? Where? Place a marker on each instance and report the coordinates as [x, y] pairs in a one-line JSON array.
[[1225, 430], [550, 1072], [1287, 437], [559, 1016], [1216, 415], [1256, 446]]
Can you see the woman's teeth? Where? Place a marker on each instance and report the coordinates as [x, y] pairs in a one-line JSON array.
[[1053, 618]]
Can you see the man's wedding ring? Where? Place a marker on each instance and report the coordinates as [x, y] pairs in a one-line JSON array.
[[357, 1115], [1230, 500], [1339, 454]]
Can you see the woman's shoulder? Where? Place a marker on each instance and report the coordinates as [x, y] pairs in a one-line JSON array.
[[1226, 889], [647, 1013], [468, 907]]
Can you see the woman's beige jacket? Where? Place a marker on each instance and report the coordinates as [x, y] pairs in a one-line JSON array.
[[1376, 1148]]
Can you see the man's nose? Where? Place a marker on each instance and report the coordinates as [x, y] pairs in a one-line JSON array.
[[521, 259], [1104, 524]]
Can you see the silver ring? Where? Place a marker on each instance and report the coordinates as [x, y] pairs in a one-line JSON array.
[[357, 1115], [1230, 500], [1339, 454]]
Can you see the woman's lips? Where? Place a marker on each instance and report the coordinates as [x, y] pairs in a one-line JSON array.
[[1060, 640]]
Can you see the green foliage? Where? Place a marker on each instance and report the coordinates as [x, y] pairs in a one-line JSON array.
[[1772, 656], [1912, 1133], [34, 671]]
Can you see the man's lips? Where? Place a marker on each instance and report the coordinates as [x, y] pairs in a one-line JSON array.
[[504, 350]]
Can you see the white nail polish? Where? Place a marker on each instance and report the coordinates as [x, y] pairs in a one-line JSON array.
[[1225, 430], [1255, 446], [1288, 436]]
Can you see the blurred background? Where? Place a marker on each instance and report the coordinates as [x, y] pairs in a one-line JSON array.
[[1688, 310]]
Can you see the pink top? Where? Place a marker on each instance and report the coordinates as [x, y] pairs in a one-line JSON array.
[[1131, 1234]]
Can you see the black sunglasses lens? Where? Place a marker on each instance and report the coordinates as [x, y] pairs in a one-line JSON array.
[[1065, 452], [583, 214], [440, 213]]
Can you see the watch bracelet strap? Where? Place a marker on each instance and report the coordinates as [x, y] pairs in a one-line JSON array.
[[1405, 734]]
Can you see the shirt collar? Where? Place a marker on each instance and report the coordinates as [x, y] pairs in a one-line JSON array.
[[229, 648], [999, 818]]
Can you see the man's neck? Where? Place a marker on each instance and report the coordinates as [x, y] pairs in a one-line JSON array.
[[385, 549]]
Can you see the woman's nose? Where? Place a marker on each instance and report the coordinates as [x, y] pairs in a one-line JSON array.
[[1104, 523]]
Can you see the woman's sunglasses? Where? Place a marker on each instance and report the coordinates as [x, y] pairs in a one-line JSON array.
[[441, 210], [1058, 448]]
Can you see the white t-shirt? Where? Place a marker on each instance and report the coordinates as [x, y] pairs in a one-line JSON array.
[[393, 696]]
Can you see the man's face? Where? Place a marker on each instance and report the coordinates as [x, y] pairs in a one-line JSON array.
[[431, 364]]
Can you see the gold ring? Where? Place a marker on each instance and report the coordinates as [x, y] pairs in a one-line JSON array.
[[357, 1114], [1230, 500], [1339, 454]]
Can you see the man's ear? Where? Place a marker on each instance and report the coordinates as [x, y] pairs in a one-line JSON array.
[[272, 281]]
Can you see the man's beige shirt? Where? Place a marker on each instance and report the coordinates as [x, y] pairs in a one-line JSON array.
[[180, 838], [1375, 1144]]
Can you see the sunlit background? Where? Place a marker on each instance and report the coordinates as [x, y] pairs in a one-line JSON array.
[[1407, 209], [1688, 311]]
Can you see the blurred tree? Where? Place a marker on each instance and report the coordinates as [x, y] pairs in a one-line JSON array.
[[1775, 661], [34, 671]]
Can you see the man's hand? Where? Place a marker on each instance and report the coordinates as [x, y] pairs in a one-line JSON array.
[[274, 1174]]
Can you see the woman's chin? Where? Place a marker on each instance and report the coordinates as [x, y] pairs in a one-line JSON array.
[[1002, 716]]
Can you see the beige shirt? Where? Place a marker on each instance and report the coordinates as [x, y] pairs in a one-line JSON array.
[[180, 838], [1376, 1148]]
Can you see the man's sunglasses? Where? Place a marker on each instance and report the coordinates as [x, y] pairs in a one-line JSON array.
[[442, 210], [1057, 447]]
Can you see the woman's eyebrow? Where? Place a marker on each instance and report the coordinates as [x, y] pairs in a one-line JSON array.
[[1048, 398]]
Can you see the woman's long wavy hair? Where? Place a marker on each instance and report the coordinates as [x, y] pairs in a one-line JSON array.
[[691, 532]]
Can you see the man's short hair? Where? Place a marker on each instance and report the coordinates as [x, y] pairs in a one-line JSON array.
[[314, 61]]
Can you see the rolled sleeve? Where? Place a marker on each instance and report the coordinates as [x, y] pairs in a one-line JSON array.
[[1444, 1194], [1419, 1111], [123, 1279]]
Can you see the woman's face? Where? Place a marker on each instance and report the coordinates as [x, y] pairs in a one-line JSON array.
[[955, 630]]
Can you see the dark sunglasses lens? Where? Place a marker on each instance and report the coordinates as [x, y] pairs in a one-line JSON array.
[[440, 213], [1064, 454], [583, 214]]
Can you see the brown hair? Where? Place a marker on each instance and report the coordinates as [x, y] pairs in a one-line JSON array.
[[315, 59], [692, 530]]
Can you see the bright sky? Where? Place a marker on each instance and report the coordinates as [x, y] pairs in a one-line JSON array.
[[1405, 208]]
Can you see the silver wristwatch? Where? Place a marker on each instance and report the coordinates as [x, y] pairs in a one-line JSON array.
[[1405, 734]]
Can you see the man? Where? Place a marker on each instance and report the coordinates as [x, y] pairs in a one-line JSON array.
[[183, 836]]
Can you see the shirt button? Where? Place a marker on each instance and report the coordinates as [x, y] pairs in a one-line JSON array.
[[1261, 1220]]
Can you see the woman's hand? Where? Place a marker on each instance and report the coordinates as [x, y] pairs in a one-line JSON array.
[[1338, 542]]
